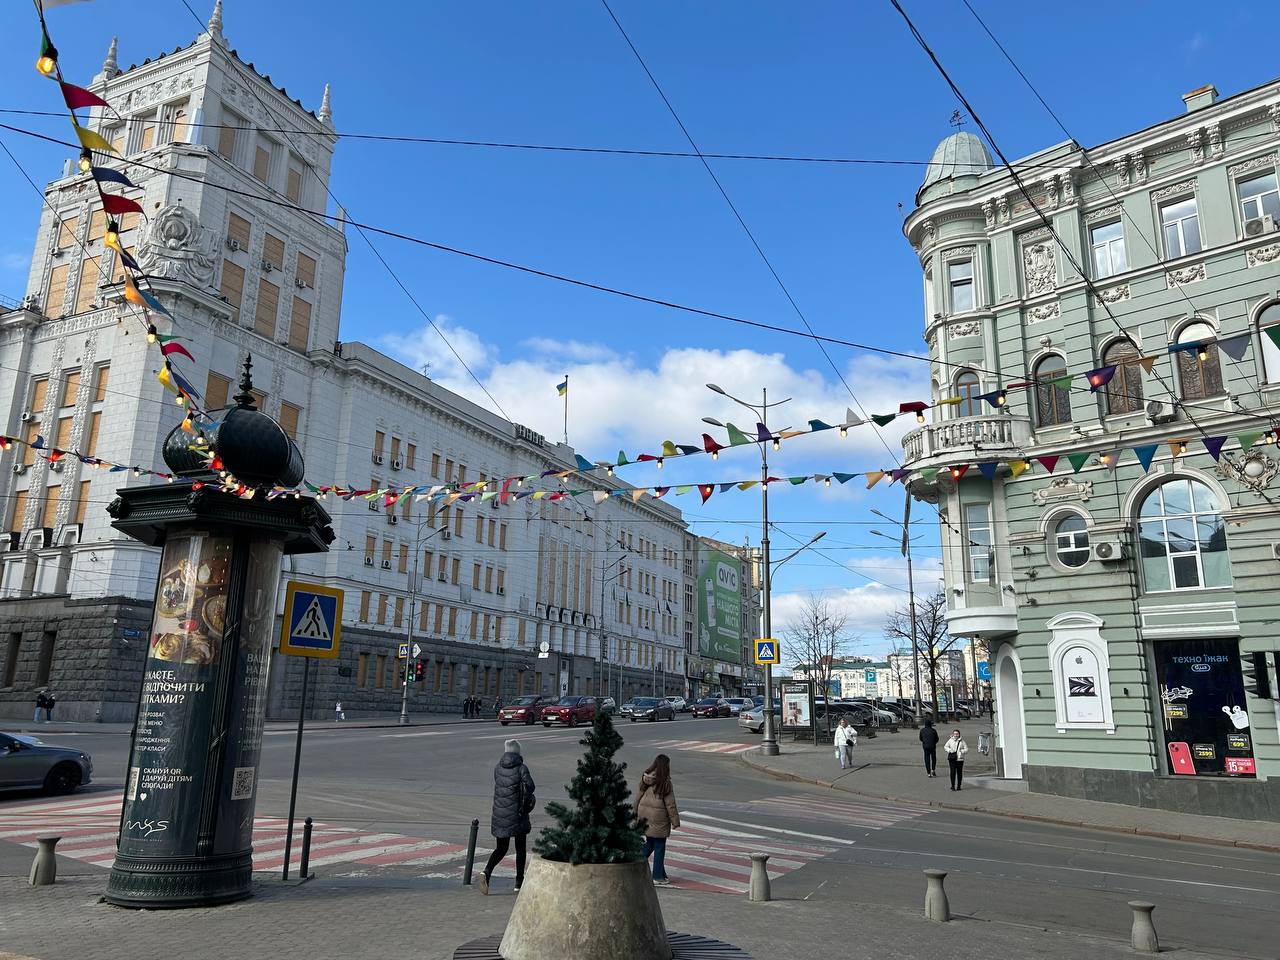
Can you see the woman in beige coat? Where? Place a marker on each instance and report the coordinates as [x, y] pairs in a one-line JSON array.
[[656, 804]]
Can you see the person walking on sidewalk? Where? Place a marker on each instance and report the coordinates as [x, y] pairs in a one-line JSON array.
[[929, 741], [656, 805], [846, 739], [338, 712], [956, 749], [513, 800], [42, 703]]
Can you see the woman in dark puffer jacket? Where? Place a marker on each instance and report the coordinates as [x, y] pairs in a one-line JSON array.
[[513, 800]]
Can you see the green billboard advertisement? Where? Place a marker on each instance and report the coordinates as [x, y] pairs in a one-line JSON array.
[[719, 608]]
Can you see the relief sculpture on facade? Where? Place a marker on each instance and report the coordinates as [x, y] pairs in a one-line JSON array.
[[1038, 268], [1064, 488], [176, 247]]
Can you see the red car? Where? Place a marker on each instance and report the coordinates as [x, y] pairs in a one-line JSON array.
[[712, 707], [570, 711], [524, 710]]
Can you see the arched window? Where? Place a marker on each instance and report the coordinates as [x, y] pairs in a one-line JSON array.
[[1199, 378], [1053, 402], [1124, 392], [1182, 539], [1270, 318], [967, 389], [1071, 540]]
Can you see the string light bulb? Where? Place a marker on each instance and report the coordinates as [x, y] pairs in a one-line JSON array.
[[1104, 458], [1269, 438], [609, 471], [47, 62], [919, 416], [715, 454], [86, 160], [6, 443], [1002, 397], [659, 464], [137, 471], [826, 481], [956, 473], [777, 444], [186, 424], [152, 333], [112, 237], [1202, 352], [844, 432], [1182, 447]]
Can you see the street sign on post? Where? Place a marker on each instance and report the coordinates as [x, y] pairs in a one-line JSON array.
[[417, 651], [312, 624], [402, 652], [544, 650], [768, 650], [984, 671]]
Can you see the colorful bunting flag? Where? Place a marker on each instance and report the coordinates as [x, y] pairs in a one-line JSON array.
[[988, 469], [1077, 460], [1048, 462], [705, 490], [1100, 377], [883, 419], [1247, 440], [78, 98], [1145, 454], [874, 477], [1018, 467], [1235, 346], [1214, 446], [92, 141]]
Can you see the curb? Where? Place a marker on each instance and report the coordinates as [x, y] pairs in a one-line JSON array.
[[1031, 817]]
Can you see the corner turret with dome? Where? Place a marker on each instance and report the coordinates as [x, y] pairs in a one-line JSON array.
[[961, 157]]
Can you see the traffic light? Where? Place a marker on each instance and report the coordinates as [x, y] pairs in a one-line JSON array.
[[1254, 667], [419, 671]]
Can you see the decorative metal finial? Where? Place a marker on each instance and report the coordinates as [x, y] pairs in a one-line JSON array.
[[244, 399], [110, 68], [326, 108], [957, 119]]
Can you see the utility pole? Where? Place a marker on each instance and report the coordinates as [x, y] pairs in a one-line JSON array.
[[419, 540], [905, 546]]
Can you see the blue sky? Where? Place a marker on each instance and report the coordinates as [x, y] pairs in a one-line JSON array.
[[818, 79]]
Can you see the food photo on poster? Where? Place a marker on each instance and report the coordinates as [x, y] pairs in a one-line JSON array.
[[1205, 717]]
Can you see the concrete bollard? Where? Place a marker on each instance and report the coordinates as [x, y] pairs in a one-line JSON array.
[[936, 906], [44, 868], [1143, 937], [760, 890]]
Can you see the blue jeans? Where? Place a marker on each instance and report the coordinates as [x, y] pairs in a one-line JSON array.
[[658, 847]]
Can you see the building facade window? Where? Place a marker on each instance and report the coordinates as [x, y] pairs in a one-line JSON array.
[[1199, 371], [1267, 319], [1180, 222], [1107, 243], [1206, 720], [960, 282], [1182, 539], [1259, 196], [1071, 541], [967, 389], [1124, 392], [1053, 399], [977, 535]]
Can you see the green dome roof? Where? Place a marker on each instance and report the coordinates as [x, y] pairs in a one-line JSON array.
[[959, 155]]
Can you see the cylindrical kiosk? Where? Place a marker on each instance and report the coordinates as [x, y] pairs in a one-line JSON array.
[[186, 830]]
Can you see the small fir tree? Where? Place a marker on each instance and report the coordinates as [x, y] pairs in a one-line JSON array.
[[602, 827]]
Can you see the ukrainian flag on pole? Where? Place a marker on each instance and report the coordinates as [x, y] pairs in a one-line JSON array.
[[562, 389]]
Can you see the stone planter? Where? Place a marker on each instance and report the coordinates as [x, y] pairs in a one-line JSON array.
[[604, 911]]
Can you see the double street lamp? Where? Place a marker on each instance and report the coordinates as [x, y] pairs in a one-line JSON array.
[[904, 541], [419, 540]]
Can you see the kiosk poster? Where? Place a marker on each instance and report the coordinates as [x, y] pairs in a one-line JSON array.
[[176, 704], [1206, 722], [797, 704]]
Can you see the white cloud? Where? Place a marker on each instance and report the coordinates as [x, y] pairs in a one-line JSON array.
[[619, 402]]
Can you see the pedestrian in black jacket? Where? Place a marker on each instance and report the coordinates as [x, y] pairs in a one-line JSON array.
[[929, 740], [513, 800]]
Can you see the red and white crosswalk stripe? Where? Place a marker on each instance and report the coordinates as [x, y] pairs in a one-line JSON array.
[[851, 811], [706, 746]]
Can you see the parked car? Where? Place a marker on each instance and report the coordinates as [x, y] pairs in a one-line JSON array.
[[678, 704], [737, 705], [711, 707], [752, 719], [651, 709], [758, 700], [626, 708], [570, 711], [607, 704], [522, 710], [28, 763]]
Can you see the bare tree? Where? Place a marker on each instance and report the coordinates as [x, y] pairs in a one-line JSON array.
[[932, 639], [815, 638], [899, 670]]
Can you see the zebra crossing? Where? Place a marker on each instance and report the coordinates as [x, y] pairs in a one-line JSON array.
[[707, 746]]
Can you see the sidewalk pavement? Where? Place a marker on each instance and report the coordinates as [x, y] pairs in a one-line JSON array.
[[890, 767], [415, 720], [429, 919]]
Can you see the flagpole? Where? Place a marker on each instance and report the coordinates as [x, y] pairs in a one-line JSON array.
[[566, 409]]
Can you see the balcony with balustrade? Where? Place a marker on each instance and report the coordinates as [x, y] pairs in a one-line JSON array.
[[966, 440]]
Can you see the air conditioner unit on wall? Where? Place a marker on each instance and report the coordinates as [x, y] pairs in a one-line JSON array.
[[368, 561], [267, 266], [26, 417], [1160, 411], [442, 577], [19, 468], [373, 505], [1259, 226], [233, 244], [378, 459], [392, 519], [446, 535], [1108, 551], [301, 284], [397, 464], [386, 564]]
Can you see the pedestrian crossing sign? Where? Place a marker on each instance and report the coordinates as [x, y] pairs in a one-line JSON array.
[[768, 651], [312, 624]]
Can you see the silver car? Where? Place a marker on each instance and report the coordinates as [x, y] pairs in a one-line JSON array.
[[737, 705], [27, 763], [678, 704], [752, 719]]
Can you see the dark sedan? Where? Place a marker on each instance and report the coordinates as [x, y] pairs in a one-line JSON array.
[[570, 711], [651, 709], [27, 763], [711, 707], [525, 710]]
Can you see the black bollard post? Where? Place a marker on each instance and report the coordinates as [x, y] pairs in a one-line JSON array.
[[303, 875], [471, 853]]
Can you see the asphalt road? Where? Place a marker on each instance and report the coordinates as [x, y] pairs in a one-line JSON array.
[[394, 785]]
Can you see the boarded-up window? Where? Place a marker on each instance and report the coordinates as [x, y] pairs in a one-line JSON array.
[[362, 670], [82, 504], [127, 221], [39, 390], [264, 319], [227, 136], [238, 229], [89, 446], [232, 286], [293, 189], [100, 387], [404, 558], [87, 286], [180, 127], [116, 136], [259, 399], [379, 439], [382, 618], [70, 387], [300, 324], [67, 231], [289, 419], [56, 292], [386, 551], [395, 449], [49, 512], [62, 439], [399, 614], [215, 392], [410, 456], [148, 137], [273, 251], [306, 270], [261, 163], [97, 225], [19, 510], [370, 545]]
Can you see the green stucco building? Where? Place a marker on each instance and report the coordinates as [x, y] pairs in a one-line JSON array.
[[1132, 613]]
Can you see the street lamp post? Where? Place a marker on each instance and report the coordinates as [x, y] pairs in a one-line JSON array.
[[769, 743], [419, 540], [905, 526]]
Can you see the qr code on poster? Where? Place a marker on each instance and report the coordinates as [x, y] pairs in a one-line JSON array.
[[132, 792], [242, 783]]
